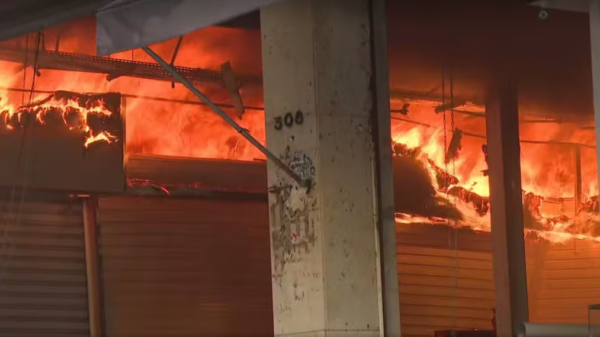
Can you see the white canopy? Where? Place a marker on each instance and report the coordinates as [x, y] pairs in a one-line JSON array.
[[129, 24]]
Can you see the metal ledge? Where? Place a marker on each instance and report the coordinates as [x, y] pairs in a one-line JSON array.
[[580, 6], [114, 68]]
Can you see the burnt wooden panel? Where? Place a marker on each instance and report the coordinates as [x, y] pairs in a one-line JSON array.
[[185, 267], [51, 156], [42, 270]]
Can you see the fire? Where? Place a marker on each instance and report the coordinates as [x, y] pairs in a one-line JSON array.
[[548, 171], [73, 113], [158, 123], [101, 137]]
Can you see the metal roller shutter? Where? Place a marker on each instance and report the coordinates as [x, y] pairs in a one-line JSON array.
[[185, 267], [443, 288], [42, 270], [568, 281]]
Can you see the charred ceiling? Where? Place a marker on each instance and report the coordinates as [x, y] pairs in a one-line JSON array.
[[550, 58]]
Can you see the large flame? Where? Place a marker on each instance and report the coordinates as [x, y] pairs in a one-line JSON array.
[[73, 114], [547, 168], [168, 127], [164, 126]]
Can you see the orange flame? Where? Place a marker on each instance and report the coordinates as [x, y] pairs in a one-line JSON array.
[[191, 130], [163, 127], [13, 117], [547, 170]]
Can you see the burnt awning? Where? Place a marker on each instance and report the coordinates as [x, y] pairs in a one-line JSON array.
[[125, 25]]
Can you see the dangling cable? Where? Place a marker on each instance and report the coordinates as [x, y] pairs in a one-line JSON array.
[[454, 228], [450, 245], [25, 62], [22, 158], [444, 123]]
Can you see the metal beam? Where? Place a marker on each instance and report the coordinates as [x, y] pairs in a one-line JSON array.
[[580, 6], [595, 48], [180, 78], [94, 282], [510, 280], [385, 175], [115, 68]]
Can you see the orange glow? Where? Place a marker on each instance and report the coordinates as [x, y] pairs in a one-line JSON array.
[[73, 115], [168, 128], [159, 127], [547, 170]]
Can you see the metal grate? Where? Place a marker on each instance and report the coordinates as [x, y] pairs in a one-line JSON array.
[[114, 68]]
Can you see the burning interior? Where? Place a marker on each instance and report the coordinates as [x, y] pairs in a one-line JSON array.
[[438, 131], [443, 153], [438, 139]]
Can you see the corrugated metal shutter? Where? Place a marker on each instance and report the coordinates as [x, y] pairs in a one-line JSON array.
[[563, 279], [444, 290], [185, 267], [569, 282], [42, 270]]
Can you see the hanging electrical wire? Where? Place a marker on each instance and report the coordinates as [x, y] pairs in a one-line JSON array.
[[449, 158], [25, 62], [22, 166], [454, 227]]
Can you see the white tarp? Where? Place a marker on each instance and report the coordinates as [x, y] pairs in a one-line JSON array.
[[18, 17], [128, 24]]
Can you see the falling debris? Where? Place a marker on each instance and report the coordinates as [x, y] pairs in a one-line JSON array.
[[232, 86], [455, 146], [404, 109], [448, 106], [484, 149]]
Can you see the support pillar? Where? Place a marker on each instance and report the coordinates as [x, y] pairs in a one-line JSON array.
[[319, 101], [382, 130], [595, 48], [510, 279], [92, 267], [578, 179]]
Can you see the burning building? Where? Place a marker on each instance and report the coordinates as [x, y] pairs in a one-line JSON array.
[[103, 130], [149, 186], [440, 147]]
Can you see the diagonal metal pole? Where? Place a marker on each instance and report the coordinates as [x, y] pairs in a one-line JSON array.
[[229, 120]]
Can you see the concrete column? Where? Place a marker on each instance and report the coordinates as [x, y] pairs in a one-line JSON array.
[[319, 100], [510, 280], [595, 48]]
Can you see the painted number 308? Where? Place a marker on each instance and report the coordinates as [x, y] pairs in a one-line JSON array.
[[288, 120]]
